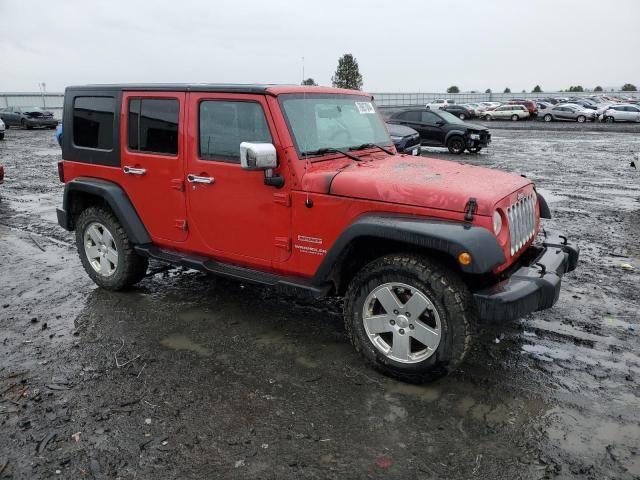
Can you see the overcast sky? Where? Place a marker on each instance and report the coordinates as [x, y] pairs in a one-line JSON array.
[[404, 46]]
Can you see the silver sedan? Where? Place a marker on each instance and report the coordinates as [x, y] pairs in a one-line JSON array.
[[569, 112]]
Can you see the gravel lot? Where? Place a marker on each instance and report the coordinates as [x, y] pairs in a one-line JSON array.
[[188, 376]]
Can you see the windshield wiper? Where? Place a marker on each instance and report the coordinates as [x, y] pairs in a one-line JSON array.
[[371, 145], [322, 151]]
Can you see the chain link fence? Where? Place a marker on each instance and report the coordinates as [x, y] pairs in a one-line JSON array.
[[384, 99], [47, 101]]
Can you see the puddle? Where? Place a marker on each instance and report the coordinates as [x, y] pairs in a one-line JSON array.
[[182, 342], [427, 393]]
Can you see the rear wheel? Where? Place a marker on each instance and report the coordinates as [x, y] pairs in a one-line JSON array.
[[488, 117], [456, 145], [548, 117], [409, 317], [514, 118], [462, 116], [23, 124], [581, 119], [610, 120], [105, 251]]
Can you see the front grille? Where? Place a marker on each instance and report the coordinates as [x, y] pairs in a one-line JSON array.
[[522, 222]]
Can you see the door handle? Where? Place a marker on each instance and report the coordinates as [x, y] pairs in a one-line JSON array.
[[134, 170], [191, 178]]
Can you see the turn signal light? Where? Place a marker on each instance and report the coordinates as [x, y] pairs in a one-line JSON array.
[[464, 258]]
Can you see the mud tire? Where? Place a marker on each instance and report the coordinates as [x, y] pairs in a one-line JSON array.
[[444, 288], [131, 267]]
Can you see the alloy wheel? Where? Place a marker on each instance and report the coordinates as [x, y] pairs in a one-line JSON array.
[[101, 249], [402, 322]]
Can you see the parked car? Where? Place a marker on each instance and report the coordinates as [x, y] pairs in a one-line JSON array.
[[478, 108], [406, 139], [460, 111], [531, 106], [543, 108], [442, 129], [569, 112], [621, 113], [423, 252], [509, 111], [27, 117], [584, 104], [2, 128], [438, 104]]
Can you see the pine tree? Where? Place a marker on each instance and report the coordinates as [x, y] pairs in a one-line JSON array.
[[597, 89], [507, 90], [536, 89], [453, 89], [347, 74], [309, 81]]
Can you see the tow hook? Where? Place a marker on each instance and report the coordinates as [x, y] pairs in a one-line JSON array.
[[543, 269]]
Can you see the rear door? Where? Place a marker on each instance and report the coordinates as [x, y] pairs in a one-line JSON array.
[[152, 153]]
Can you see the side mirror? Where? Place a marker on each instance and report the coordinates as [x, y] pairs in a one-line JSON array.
[[258, 156], [439, 123]]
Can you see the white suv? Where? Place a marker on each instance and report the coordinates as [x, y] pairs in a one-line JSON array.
[[437, 104], [622, 112], [503, 112]]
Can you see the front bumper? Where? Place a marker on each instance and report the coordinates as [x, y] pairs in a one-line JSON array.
[[534, 286], [41, 122]]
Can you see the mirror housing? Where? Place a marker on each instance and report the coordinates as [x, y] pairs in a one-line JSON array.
[[258, 156]]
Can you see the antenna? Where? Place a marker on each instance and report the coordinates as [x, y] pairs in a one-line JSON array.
[[302, 71]]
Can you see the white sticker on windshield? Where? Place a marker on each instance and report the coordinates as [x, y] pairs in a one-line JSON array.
[[365, 107]]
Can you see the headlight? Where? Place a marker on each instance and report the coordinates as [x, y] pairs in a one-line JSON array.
[[395, 139], [497, 222], [474, 136]]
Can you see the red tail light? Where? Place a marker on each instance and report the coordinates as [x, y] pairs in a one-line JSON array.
[[61, 171]]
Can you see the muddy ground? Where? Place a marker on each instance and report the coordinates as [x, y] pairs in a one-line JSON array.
[[192, 377]]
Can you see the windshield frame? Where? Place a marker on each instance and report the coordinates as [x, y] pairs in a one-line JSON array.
[[317, 157], [444, 115]]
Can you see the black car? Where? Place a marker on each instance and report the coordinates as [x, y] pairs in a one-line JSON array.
[[442, 129], [406, 139], [27, 117], [459, 111]]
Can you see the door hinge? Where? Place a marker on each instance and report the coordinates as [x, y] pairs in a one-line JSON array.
[[282, 199], [283, 242], [177, 184], [182, 225]]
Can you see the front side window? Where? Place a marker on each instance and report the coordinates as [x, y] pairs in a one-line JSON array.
[[224, 125], [153, 125], [430, 118], [319, 121], [93, 122]]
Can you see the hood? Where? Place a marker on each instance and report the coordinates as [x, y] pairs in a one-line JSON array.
[[400, 130], [419, 181], [43, 113]]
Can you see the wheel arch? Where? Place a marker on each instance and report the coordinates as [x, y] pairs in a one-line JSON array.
[[373, 236], [84, 192]]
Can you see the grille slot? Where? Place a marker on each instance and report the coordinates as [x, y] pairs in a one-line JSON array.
[[522, 222]]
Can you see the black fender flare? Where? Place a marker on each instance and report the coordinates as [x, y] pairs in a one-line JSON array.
[[545, 212], [114, 196], [450, 238], [452, 133]]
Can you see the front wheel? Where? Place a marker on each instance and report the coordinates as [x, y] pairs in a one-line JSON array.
[[462, 116], [456, 145], [105, 251], [487, 117], [23, 124], [610, 120], [548, 118], [409, 317], [581, 119], [514, 118]]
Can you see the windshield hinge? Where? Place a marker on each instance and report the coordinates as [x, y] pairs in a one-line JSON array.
[[470, 209]]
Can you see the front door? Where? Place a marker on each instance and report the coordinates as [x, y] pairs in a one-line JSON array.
[[152, 152], [237, 217]]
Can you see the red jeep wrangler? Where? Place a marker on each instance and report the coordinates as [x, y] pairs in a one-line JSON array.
[[302, 187]]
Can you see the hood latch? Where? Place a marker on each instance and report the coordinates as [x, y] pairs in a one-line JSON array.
[[470, 209]]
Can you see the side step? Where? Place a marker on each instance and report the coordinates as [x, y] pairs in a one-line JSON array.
[[205, 264]]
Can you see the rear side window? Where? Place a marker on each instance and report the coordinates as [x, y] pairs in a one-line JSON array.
[[93, 122], [224, 125], [413, 116], [153, 125]]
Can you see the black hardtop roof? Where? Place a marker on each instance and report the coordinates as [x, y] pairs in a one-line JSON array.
[[178, 87]]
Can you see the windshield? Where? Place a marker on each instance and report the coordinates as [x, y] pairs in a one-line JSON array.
[[31, 109], [328, 121], [449, 118]]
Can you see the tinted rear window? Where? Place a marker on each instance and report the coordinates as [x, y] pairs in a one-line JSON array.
[[153, 125], [93, 122]]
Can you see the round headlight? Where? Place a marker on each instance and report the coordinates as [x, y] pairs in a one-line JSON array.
[[497, 222]]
